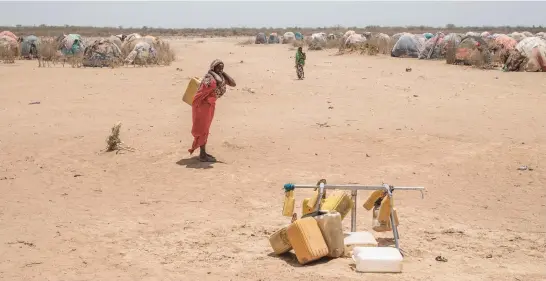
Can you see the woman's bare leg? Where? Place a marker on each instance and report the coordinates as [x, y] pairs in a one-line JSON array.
[[204, 156]]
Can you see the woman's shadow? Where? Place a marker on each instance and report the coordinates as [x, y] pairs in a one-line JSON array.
[[194, 163]]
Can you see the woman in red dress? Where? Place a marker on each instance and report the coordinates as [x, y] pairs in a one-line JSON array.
[[212, 87]]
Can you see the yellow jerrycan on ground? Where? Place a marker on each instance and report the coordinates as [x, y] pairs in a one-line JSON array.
[[338, 201], [279, 241], [332, 231], [191, 90], [306, 239]]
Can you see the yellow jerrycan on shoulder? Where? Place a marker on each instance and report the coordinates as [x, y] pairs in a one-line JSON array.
[[191, 90]]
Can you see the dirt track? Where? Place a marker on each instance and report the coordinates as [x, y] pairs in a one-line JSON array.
[[68, 212]]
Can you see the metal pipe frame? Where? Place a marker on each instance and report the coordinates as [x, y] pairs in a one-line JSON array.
[[354, 192]]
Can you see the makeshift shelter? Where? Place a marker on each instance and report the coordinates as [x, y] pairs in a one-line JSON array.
[[541, 35], [505, 42], [382, 41], [152, 40], [116, 40], [433, 48], [9, 47], [500, 47], [260, 38], [319, 36], [485, 34], [495, 35], [354, 40], [527, 34], [273, 38], [407, 46], [528, 55], [288, 37], [348, 33], [132, 37], [428, 35], [397, 36], [8, 34], [472, 50], [518, 36], [142, 53], [71, 44], [367, 35], [102, 52], [29, 46], [318, 41], [331, 36], [474, 34], [298, 36]]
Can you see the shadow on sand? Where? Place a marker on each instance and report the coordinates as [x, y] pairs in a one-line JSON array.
[[194, 163], [290, 258]]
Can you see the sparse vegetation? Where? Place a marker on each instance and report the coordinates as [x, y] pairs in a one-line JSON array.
[[165, 55], [88, 31], [7, 55], [48, 53], [248, 41]]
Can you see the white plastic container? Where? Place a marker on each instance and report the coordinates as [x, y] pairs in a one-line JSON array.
[[377, 259], [358, 239]]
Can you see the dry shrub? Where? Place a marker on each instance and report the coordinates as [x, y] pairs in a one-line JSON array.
[[165, 55], [75, 61], [248, 41], [113, 141], [7, 54], [333, 43], [48, 53], [298, 43], [481, 59], [369, 48], [451, 51]]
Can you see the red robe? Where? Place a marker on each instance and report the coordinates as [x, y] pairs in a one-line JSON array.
[[202, 109]]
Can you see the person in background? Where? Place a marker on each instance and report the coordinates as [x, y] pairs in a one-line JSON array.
[[300, 62], [212, 87]]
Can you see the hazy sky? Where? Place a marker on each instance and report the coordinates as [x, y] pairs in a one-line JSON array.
[[271, 13]]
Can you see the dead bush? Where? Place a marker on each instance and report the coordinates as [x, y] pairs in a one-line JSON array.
[[7, 54], [48, 53], [164, 54], [333, 43], [298, 43], [248, 41], [451, 51]]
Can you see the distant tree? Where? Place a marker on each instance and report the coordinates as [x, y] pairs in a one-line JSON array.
[[450, 26]]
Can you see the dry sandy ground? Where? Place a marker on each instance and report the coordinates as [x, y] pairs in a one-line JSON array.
[[69, 212]]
